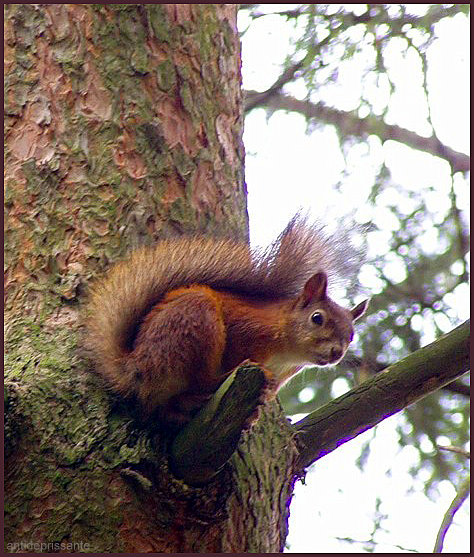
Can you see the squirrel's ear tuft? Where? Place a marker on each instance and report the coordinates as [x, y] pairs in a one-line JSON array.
[[359, 310], [315, 289]]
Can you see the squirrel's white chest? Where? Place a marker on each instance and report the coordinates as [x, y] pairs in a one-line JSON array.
[[283, 366]]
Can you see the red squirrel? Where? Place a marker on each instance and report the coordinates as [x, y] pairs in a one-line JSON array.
[[169, 324]]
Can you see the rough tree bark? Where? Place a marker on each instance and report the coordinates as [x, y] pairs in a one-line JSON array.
[[123, 124]]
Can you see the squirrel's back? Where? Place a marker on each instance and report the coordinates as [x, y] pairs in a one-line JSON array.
[[119, 301]]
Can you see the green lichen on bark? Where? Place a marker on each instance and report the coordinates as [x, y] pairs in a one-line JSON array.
[[108, 125], [159, 22], [65, 450], [166, 76], [273, 439]]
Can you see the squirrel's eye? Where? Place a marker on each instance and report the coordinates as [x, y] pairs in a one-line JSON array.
[[317, 318]]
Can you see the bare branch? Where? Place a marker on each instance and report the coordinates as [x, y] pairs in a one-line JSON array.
[[371, 367], [458, 500], [254, 99], [350, 124], [457, 450], [401, 384], [208, 441]]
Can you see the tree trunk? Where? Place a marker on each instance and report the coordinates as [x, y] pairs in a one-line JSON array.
[[123, 125]]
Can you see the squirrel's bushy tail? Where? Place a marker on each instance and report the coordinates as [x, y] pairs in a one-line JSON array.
[[119, 301]]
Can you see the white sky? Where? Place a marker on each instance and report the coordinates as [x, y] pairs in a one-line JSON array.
[[285, 170]]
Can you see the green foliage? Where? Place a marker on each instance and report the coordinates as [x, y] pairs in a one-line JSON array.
[[417, 229]]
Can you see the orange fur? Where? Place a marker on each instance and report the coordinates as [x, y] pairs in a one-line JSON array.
[[169, 325]]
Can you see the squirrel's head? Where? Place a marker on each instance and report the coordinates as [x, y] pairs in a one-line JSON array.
[[320, 329]]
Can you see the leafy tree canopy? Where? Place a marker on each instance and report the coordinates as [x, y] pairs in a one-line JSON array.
[[366, 72]]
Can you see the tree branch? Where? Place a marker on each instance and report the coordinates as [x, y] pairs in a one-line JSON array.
[[401, 384], [459, 388], [457, 450], [372, 367], [202, 448], [458, 500], [254, 99], [350, 124]]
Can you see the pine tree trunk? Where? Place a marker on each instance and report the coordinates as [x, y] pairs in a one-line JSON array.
[[123, 125]]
